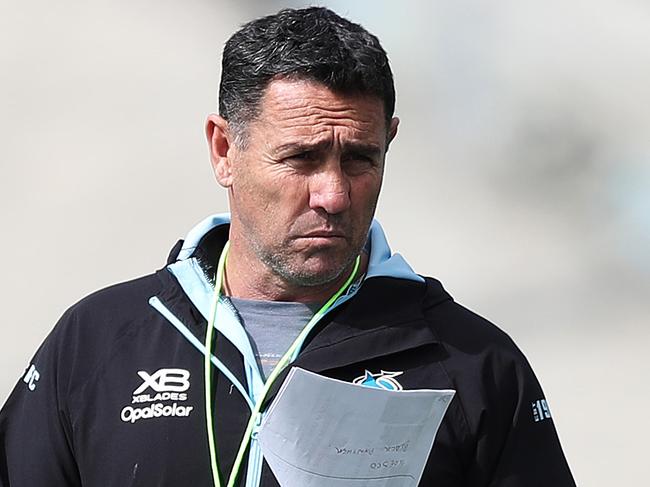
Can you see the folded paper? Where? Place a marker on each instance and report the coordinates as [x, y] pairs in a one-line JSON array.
[[322, 432]]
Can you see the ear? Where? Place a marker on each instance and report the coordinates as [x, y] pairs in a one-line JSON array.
[[392, 131], [221, 148]]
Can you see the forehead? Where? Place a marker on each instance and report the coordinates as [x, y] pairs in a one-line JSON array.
[[304, 107]]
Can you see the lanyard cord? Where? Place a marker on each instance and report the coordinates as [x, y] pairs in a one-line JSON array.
[[284, 361]]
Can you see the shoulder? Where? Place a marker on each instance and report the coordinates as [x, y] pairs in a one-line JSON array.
[[85, 339], [116, 303], [463, 330], [98, 320], [90, 329], [490, 372]]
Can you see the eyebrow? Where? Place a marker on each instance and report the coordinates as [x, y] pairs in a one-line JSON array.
[[368, 149], [371, 150], [297, 147]]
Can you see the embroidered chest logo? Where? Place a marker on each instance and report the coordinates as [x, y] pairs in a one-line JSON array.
[[382, 380], [165, 389]]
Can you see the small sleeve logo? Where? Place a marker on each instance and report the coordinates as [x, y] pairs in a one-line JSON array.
[[541, 410], [31, 377]]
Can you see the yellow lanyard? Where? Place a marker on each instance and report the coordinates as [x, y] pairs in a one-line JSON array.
[[284, 361]]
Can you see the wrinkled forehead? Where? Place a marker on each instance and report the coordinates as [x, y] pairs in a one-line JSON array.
[[299, 103]]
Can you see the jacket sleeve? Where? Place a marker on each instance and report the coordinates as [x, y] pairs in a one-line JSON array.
[[517, 444], [35, 432]]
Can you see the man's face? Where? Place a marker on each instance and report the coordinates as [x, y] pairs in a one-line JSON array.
[[304, 188]]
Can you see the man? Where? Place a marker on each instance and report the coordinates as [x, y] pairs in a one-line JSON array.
[[117, 394]]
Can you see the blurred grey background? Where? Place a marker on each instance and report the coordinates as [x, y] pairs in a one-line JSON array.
[[520, 176]]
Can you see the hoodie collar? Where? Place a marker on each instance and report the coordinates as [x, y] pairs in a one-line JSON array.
[[381, 263]]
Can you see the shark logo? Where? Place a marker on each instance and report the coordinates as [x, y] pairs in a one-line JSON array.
[[382, 380]]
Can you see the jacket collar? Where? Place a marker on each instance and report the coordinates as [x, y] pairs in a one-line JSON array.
[[382, 262]]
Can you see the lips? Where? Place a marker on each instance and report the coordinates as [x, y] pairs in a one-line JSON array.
[[324, 235], [323, 238]]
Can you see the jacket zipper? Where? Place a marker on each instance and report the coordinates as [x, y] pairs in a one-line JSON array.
[[255, 457]]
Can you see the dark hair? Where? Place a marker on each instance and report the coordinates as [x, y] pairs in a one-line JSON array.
[[312, 43]]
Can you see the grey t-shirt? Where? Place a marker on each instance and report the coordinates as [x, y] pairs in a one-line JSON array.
[[272, 327]]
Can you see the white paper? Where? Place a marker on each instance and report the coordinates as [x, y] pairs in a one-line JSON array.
[[322, 432]]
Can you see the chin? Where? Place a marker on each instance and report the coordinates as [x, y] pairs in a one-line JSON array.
[[313, 280], [324, 273], [318, 269], [310, 276]]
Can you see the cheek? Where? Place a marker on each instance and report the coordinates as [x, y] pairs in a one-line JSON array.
[[365, 192], [285, 193], [273, 199], [254, 185]]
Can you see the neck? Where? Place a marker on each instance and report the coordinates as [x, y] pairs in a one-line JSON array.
[[247, 277]]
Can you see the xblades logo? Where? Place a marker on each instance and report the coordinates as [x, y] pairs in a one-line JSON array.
[[167, 385], [164, 380]]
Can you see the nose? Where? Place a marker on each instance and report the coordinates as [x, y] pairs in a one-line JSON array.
[[329, 190]]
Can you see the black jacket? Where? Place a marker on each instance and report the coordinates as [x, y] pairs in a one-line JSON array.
[[71, 420]]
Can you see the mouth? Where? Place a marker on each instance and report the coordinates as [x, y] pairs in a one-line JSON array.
[[323, 237], [323, 234]]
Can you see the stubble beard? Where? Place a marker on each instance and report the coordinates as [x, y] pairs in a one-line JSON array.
[[284, 265]]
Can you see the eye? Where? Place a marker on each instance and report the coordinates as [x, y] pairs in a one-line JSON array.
[[358, 163], [302, 156], [301, 160]]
